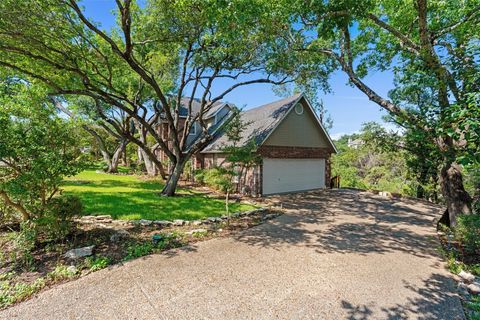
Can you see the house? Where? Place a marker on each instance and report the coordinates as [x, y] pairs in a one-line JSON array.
[[355, 143], [294, 146]]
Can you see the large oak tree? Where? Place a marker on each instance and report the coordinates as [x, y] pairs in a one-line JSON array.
[[431, 47], [157, 54]]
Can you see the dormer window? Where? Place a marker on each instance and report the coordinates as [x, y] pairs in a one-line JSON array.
[[193, 130]]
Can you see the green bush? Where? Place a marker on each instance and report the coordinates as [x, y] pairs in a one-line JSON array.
[[58, 219], [24, 242], [467, 232], [219, 178], [199, 176]]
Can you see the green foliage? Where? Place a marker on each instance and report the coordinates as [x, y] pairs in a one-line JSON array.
[[474, 306], [37, 147], [369, 167], [10, 294], [97, 263], [58, 219], [219, 178], [24, 242], [60, 273], [131, 197], [140, 249], [467, 232]]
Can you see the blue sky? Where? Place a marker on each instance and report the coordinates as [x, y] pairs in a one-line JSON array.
[[347, 106]]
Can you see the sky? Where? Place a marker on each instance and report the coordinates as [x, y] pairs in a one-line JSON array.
[[347, 106]]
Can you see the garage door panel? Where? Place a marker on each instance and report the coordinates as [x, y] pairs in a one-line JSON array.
[[287, 175]]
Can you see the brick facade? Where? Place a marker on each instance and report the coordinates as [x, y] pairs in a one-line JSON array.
[[294, 152]]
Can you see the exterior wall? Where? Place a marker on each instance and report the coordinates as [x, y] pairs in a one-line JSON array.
[[300, 153], [305, 128], [293, 152]]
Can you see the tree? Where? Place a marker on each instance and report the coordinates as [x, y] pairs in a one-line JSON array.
[[157, 54], [37, 149], [100, 129], [430, 46]]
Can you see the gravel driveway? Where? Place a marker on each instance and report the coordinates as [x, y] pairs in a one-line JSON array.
[[334, 255]]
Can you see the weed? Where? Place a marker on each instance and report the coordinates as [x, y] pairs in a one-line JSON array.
[[138, 250], [98, 263], [61, 272], [474, 307], [10, 294]]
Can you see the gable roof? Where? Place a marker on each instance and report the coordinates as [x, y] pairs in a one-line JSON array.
[[196, 106], [262, 121]]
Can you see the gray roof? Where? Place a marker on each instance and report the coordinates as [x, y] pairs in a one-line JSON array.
[[261, 121], [196, 105]]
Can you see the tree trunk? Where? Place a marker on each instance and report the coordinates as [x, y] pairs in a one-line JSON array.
[[17, 206], [458, 200], [150, 166], [174, 177], [115, 159]]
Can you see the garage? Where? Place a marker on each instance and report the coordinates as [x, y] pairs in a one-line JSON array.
[[287, 175]]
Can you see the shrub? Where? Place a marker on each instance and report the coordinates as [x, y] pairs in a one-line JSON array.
[[24, 242], [199, 176], [219, 178], [58, 219], [467, 232]]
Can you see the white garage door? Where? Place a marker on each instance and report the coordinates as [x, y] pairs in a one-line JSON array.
[[286, 175]]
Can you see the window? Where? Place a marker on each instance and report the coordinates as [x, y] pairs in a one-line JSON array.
[[193, 130], [299, 109]]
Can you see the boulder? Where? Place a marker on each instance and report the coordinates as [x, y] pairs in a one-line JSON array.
[[196, 222], [120, 234], [474, 288], [72, 270], [79, 252], [466, 276], [178, 222], [269, 216], [104, 217], [145, 223], [162, 223]]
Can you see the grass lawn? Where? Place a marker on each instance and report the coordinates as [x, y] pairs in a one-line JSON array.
[[128, 197]]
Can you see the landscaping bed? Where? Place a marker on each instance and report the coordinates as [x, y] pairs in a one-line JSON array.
[[461, 249], [104, 241]]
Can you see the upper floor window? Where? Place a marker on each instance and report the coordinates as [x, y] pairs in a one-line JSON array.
[[193, 130]]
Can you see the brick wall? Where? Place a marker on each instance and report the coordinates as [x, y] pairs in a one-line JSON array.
[[293, 152]]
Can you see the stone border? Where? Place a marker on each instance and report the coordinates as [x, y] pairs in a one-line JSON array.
[[176, 223]]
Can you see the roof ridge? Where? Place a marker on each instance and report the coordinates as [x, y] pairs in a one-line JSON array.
[[281, 102]]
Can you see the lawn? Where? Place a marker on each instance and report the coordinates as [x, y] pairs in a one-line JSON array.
[[130, 197]]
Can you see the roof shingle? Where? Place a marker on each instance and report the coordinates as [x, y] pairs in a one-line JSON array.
[[261, 121]]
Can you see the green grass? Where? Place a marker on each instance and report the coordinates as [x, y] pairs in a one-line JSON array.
[[128, 197]]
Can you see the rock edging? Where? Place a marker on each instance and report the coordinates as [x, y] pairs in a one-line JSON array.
[[177, 222]]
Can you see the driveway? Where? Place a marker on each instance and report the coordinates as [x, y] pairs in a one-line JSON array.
[[337, 254]]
